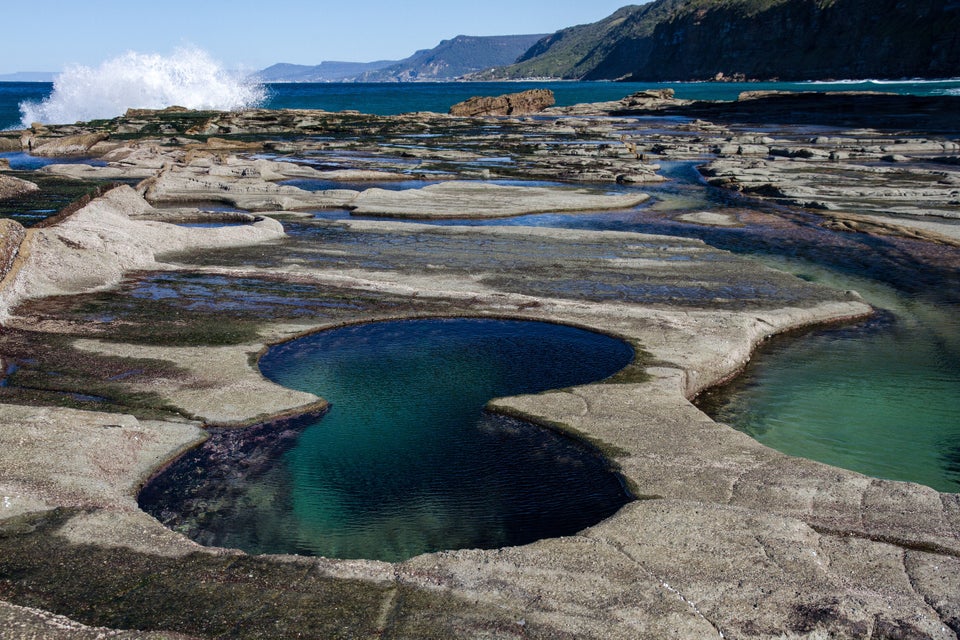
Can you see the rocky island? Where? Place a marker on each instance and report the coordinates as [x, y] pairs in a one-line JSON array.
[[107, 379]]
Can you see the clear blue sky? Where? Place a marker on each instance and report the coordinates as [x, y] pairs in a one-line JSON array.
[[253, 34]]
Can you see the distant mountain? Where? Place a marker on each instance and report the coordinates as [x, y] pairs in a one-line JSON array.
[[455, 58], [28, 76], [449, 60], [327, 71], [754, 39]]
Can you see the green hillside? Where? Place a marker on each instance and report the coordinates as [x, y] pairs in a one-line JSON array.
[[756, 39]]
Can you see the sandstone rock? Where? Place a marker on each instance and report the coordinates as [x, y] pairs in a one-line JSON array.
[[12, 234], [895, 157], [251, 192], [460, 199], [69, 145], [143, 113], [733, 540], [92, 172], [96, 245], [838, 181], [11, 187], [511, 104], [650, 98], [27, 622]]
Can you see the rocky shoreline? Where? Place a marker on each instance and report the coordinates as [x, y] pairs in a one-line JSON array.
[[161, 325]]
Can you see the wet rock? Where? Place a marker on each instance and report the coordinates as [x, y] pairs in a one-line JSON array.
[[143, 113], [460, 199], [649, 98], [839, 180], [732, 538], [97, 244]]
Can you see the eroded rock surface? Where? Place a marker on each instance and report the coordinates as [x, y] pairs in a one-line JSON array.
[[478, 200], [727, 538], [95, 246]]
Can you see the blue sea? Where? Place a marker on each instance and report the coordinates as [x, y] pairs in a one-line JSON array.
[[73, 104]]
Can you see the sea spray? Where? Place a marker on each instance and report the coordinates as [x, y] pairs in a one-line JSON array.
[[188, 78]]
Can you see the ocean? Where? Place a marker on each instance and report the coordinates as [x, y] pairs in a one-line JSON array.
[[24, 102]]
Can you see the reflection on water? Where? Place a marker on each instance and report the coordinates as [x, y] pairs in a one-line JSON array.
[[406, 461]]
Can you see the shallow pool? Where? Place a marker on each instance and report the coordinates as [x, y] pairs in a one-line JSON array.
[[878, 397]]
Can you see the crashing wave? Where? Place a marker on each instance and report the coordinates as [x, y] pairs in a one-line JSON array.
[[188, 78]]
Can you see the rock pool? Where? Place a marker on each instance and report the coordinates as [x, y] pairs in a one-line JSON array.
[[406, 461]]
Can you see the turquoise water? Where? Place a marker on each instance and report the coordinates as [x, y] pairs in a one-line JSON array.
[[406, 461], [394, 98], [880, 397]]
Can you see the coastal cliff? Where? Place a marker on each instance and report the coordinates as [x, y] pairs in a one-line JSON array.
[[755, 39]]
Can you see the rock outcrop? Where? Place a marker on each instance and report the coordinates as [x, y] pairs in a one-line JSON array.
[[649, 100], [95, 246], [12, 234], [511, 104], [76, 145], [11, 187]]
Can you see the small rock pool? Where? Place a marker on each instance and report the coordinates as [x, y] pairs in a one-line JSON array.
[[406, 461]]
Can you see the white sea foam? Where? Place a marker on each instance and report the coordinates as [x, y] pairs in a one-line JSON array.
[[188, 78]]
